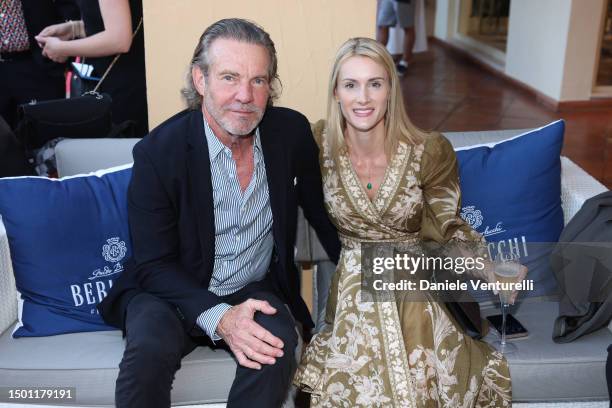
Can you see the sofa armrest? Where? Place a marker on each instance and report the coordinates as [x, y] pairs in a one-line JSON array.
[[8, 293], [577, 186], [81, 156]]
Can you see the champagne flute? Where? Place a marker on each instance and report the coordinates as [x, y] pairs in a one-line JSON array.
[[506, 270]]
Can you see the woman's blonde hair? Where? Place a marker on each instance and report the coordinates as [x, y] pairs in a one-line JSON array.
[[397, 124]]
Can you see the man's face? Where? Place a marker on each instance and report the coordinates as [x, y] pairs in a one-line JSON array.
[[236, 90]]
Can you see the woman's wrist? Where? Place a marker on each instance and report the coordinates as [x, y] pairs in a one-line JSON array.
[[77, 28]]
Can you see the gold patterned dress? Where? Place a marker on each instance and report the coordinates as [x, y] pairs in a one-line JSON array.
[[396, 354]]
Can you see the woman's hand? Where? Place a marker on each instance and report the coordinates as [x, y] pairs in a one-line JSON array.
[[52, 48], [489, 275], [521, 276], [63, 31]]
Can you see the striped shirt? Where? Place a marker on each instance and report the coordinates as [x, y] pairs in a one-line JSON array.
[[243, 227]]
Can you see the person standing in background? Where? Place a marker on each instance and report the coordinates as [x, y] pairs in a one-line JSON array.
[[390, 13], [25, 74], [105, 30]]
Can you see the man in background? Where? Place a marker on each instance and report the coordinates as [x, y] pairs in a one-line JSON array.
[[391, 13]]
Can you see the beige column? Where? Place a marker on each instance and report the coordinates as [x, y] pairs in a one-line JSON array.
[[583, 45]]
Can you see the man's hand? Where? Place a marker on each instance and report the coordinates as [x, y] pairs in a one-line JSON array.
[[251, 344]]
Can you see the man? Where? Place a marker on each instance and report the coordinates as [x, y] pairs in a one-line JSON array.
[[24, 73], [212, 208], [390, 13]]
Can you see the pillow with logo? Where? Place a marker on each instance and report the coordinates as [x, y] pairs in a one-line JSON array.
[[68, 239], [512, 195]]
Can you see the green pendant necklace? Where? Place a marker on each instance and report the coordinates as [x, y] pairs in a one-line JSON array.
[[369, 183]]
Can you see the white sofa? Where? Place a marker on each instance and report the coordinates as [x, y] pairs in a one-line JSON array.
[[89, 361]]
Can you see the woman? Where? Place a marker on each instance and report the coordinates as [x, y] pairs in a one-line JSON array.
[[386, 180], [106, 29]]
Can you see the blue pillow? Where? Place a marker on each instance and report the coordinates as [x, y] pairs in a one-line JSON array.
[[512, 195], [68, 240]]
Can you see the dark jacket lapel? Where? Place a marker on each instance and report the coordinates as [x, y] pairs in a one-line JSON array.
[[198, 167], [276, 173]]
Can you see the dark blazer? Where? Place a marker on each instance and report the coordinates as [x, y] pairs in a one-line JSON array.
[[39, 14], [170, 207], [583, 270]]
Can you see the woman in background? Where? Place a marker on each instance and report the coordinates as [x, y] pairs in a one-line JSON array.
[[386, 180], [105, 30]]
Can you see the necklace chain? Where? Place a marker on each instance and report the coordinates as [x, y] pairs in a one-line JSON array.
[[369, 183]]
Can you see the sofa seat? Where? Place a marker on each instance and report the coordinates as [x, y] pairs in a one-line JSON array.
[[89, 362], [543, 370]]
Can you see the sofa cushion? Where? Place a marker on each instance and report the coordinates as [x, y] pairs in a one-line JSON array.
[[89, 362], [542, 370], [68, 239], [512, 195]]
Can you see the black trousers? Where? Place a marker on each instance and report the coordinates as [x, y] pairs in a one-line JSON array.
[[156, 343], [22, 80]]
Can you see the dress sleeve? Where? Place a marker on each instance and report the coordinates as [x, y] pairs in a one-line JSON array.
[[442, 195], [317, 131]]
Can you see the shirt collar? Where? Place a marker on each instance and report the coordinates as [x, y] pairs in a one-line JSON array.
[[215, 146]]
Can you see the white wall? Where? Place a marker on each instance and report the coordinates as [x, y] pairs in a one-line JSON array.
[[552, 44], [537, 41], [441, 21], [445, 19]]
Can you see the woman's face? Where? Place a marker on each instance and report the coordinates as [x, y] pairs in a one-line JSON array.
[[362, 91]]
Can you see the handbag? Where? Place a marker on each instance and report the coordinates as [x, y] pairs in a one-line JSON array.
[[467, 315], [85, 116]]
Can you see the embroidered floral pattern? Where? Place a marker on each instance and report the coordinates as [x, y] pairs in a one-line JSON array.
[[396, 353]]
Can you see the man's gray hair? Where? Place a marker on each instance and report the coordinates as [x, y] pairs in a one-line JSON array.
[[235, 29]]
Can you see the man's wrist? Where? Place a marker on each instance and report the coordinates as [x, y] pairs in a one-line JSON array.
[[209, 320], [217, 328]]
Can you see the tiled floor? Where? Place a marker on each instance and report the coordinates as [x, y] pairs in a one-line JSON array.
[[446, 92]]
